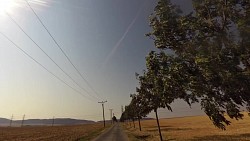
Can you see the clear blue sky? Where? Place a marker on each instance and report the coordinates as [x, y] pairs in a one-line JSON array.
[[104, 39]]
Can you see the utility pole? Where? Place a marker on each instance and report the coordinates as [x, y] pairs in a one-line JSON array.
[[53, 121], [111, 116], [102, 102], [122, 108], [23, 120], [11, 120]]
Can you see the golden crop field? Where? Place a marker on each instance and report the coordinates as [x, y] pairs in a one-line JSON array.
[[197, 128], [46, 133]]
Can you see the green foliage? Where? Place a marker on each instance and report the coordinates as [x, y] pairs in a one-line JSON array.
[[136, 109], [211, 60]]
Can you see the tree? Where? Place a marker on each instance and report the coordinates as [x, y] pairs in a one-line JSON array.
[[151, 95], [114, 119], [211, 56], [128, 113], [136, 109], [153, 85], [139, 107]]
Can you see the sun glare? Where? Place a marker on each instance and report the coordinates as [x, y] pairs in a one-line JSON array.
[[7, 6]]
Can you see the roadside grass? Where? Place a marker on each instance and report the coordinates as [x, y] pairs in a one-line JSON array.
[[91, 135], [135, 135], [197, 128]]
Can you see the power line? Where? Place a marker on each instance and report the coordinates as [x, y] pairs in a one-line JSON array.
[[42, 65], [62, 50], [48, 55]]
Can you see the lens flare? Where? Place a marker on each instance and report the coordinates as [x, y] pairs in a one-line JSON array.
[[7, 5]]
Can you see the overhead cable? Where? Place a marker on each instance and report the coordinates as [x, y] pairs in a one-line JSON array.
[[48, 55], [18, 47], [91, 87]]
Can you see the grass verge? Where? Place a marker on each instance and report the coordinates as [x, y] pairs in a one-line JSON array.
[[135, 135], [93, 134]]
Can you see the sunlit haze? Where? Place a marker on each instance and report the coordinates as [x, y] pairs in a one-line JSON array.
[[7, 5], [104, 40]]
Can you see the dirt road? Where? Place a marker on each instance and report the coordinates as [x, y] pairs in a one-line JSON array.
[[115, 133]]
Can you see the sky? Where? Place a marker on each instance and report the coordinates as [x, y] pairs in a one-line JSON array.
[[106, 42]]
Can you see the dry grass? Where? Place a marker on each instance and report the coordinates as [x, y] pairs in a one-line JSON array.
[[198, 128], [45, 133]]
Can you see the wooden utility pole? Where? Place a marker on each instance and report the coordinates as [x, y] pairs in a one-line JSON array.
[[53, 121], [23, 120], [111, 119], [11, 120], [102, 102]]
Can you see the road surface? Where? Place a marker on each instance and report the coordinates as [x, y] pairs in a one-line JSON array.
[[115, 133]]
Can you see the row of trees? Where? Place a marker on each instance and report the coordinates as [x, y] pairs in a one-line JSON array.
[[203, 57]]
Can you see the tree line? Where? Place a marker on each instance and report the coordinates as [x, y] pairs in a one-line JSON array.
[[202, 57]]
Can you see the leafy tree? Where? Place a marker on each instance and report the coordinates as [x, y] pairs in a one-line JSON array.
[[139, 107], [154, 84], [127, 114], [211, 57], [114, 119], [148, 90], [131, 112], [136, 109]]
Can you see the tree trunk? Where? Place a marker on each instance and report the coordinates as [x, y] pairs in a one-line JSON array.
[[139, 122], [129, 122], [159, 128], [133, 122]]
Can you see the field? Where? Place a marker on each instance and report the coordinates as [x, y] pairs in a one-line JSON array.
[[46, 133], [198, 128]]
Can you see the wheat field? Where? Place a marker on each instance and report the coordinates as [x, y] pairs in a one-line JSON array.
[[46, 133], [197, 128]]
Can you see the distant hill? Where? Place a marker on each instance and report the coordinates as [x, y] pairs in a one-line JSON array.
[[45, 122], [4, 122]]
